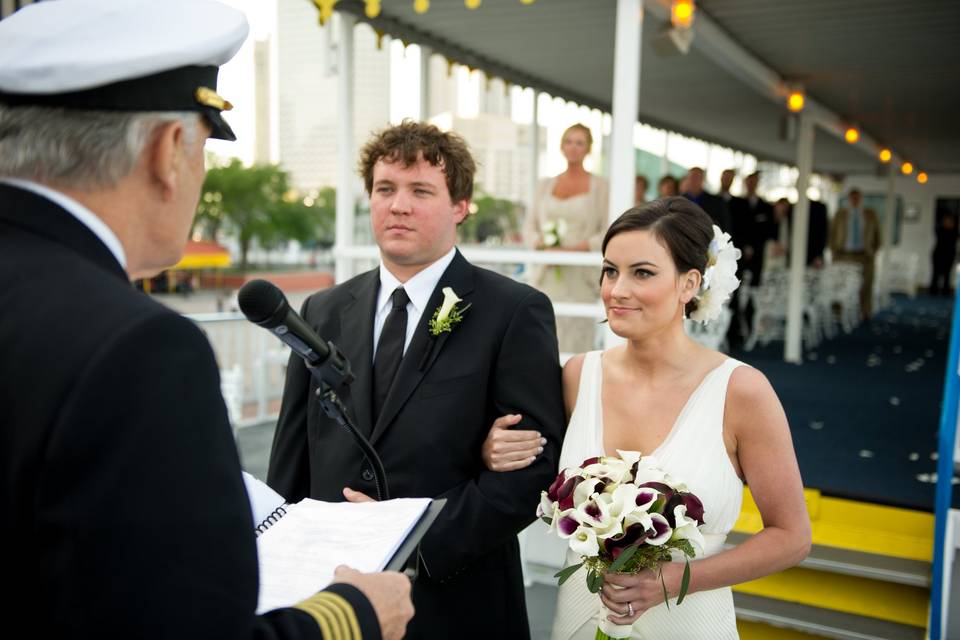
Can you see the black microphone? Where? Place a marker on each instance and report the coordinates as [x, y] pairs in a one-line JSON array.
[[264, 304]]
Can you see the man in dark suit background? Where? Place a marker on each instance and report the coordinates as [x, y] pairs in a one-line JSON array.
[[779, 246], [754, 227], [425, 395], [736, 210], [125, 514], [715, 207]]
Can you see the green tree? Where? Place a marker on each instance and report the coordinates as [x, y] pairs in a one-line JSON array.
[[257, 202], [489, 217]]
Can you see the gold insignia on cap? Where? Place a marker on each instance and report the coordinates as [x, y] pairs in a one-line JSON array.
[[210, 98]]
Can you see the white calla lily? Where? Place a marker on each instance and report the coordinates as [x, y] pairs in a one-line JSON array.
[[686, 528], [449, 300], [584, 542], [608, 467], [623, 500], [660, 532], [566, 522]]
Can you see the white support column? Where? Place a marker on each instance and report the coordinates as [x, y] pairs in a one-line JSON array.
[[793, 348], [534, 153], [346, 200], [626, 92], [626, 97], [425, 54]]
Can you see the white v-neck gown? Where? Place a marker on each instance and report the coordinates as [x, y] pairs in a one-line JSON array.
[[693, 453]]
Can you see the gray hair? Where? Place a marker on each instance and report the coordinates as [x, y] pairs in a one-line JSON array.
[[79, 149]]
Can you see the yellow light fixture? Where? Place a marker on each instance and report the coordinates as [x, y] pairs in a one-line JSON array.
[[421, 6], [372, 9], [681, 13], [795, 101], [527, 1], [885, 155], [922, 178], [471, 4], [851, 135], [325, 8], [906, 168]]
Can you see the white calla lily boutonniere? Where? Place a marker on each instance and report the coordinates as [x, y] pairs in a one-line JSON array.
[[447, 314]]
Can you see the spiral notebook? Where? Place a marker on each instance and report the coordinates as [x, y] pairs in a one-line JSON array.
[[299, 545]]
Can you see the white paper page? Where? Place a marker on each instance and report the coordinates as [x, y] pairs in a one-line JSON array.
[[263, 499], [299, 553]]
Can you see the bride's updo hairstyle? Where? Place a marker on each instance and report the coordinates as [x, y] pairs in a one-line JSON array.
[[679, 224]]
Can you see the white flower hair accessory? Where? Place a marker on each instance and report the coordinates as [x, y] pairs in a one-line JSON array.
[[719, 278]]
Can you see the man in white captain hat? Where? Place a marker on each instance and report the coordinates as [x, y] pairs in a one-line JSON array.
[[125, 512]]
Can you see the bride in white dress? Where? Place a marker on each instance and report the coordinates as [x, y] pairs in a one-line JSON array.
[[710, 421]]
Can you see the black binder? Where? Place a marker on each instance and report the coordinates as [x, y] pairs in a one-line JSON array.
[[409, 549]]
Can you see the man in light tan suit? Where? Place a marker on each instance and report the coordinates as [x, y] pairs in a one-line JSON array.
[[855, 237]]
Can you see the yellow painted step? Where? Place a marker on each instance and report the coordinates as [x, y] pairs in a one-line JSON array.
[[849, 594], [760, 631], [858, 526]]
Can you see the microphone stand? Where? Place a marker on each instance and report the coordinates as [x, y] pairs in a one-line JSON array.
[[334, 373], [331, 374]]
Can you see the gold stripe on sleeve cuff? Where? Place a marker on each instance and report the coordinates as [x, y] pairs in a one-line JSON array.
[[334, 614]]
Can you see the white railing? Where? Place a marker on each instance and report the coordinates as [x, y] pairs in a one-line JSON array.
[[252, 363], [252, 366]]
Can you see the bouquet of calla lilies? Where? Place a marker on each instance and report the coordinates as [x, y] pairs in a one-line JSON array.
[[622, 514]]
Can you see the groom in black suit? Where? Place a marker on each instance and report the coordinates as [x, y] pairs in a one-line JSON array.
[[427, 391]]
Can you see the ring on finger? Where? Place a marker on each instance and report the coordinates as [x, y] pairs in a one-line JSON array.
[[630, 609]]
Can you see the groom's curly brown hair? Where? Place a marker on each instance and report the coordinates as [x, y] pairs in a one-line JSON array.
[[408, 141]]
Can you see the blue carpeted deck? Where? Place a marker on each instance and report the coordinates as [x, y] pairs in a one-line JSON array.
[[864, 407]]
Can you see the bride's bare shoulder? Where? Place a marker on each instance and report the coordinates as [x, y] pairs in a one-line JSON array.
[[571, 380], [751, 399], [749, 384]]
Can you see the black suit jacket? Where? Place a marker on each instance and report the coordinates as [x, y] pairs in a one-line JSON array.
[[817, 231], [715, 207], [124, 511], [502, 358], [754, 226]]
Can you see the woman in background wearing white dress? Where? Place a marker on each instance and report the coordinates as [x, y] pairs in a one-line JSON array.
[[569, 214], [710, 421]]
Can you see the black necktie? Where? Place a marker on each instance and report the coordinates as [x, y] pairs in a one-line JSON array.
[[389, 350]]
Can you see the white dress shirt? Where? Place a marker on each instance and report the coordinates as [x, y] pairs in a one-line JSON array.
[[419, 288], [86, 217]]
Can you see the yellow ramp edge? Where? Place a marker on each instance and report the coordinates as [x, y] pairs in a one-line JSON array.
[[848, 594], [858, 526], [760, 631]]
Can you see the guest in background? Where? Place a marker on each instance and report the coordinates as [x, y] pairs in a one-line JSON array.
[[736, 209], [640, 186], [753, 228], [570, 214], [944, 252], [778, 247], [817, 234], [715, 207], [855, 239], [668, 186], [735, 204]]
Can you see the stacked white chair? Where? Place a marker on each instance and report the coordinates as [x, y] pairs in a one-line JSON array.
[[769, 301]]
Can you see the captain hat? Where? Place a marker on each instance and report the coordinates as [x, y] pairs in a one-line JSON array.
[[121, 55]]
